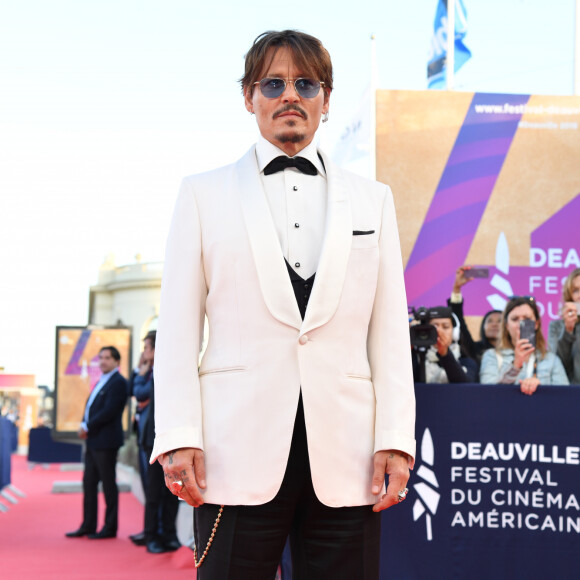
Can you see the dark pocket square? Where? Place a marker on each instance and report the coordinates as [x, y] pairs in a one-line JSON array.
[[363, 233]]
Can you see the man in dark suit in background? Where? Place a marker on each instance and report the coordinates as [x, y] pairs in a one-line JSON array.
[[161, 505], [102, 429]]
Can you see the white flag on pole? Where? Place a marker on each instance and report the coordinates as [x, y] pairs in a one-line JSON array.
[[355, 140]]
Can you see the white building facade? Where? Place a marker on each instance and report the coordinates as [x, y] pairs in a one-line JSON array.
[[129, 296]]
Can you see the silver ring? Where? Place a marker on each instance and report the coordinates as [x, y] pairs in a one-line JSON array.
[[402, 494], [178, 482]]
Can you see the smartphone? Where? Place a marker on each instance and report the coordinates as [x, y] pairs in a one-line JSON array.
[[528, 330], [477, 273]]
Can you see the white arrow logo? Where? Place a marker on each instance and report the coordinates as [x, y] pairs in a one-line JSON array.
[[428, 499], [502, 263]]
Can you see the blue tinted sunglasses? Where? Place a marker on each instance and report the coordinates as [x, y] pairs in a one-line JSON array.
[[272, 88]]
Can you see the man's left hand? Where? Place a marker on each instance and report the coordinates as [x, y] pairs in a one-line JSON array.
[[396, 465]]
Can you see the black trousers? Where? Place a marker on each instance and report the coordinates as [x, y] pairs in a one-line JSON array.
[[100, 465], [161, 505], [338, 543]]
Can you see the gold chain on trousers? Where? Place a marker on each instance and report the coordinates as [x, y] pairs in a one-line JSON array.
[[209, 542]]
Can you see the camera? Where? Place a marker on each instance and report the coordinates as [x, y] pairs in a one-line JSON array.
[[423, 334]]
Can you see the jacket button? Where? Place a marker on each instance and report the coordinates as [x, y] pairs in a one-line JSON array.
[[303, 339]]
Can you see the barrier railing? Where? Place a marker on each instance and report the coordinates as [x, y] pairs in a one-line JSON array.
[[495, 492]]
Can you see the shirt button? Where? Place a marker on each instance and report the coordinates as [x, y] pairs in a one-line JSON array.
[[303, 339], [295, 188], [306, 286], [296, 225], [297, 264]]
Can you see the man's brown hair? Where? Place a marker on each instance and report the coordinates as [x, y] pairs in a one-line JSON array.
[[308, 53], [151, 337]]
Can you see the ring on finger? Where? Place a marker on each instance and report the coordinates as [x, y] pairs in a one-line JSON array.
[[402, 494], [177, 485]]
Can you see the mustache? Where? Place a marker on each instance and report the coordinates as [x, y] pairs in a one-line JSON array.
[[290, 107]]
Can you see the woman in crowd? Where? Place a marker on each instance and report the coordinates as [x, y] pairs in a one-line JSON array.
[[489, 331], [564, 334], [445, 362], [517, 360]]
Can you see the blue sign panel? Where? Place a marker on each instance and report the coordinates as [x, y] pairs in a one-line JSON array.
[[495, 492]]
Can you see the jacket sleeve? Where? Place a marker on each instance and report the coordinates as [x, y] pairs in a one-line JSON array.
[[178, 416], [142, 387], [389, 345], [558, 376], [453, 369], [466, 339], [489, 370], [561, 343]]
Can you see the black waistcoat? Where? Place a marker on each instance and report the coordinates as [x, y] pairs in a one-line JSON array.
[[302, 288]]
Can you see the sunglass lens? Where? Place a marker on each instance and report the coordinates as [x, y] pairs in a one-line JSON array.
[[272, 88], [307, 88]]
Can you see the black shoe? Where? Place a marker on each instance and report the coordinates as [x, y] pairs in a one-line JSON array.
[[78, 533], [155, 547], [138, 539], [171, 544], [102, 535]]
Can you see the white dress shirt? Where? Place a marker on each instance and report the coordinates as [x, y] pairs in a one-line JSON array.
[[100, 384], [298, 206]]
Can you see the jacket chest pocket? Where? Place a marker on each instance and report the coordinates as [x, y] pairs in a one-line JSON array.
[[364, 241]]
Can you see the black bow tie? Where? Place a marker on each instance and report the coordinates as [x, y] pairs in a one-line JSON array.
[[300, 163]]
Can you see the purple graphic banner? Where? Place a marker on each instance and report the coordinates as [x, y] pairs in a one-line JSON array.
[[553, 255], [460, 199]]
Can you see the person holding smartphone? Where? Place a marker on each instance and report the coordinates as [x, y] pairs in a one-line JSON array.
[[489, 331], [518, 359], [564, 334]]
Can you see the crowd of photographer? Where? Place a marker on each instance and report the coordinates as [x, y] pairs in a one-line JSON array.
[[511, 349]]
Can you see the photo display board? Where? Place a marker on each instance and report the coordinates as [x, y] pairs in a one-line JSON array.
[[77, 371]]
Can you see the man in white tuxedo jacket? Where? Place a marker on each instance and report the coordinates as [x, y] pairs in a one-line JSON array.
[[304, 397]]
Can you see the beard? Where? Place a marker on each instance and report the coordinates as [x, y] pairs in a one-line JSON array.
[[290, 137]]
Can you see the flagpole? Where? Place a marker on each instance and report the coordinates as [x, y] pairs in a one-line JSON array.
[[450, 59], [577, 51], [373, 127]]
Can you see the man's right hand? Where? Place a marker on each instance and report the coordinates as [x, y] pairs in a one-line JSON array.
[[186, 465]]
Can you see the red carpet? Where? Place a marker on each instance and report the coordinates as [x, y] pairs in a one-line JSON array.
[[33, 544]]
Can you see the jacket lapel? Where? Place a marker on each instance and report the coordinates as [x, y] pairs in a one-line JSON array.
[[270, 265], [331, 270]]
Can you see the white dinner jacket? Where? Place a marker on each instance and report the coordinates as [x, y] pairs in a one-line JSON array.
[[350, 355]]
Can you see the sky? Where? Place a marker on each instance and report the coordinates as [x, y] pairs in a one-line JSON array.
[[106, 104]]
